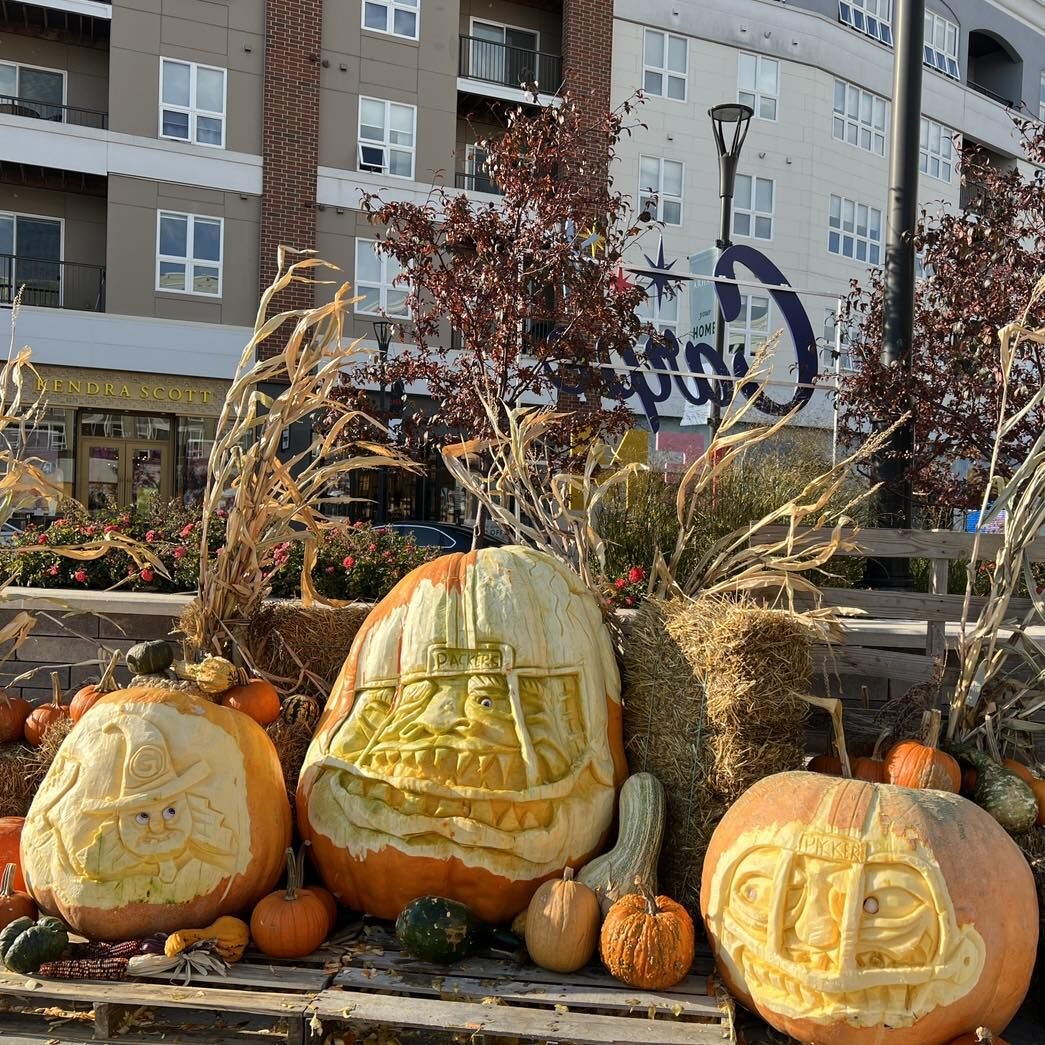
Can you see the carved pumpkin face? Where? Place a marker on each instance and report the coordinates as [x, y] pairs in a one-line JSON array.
[[162, 811], [850, 912], [471, 747]]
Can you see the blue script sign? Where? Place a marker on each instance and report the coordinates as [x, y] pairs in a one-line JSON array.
[[652, 388]]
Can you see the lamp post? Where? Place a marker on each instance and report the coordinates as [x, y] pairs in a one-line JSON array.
[[383, 335], [730, 117]]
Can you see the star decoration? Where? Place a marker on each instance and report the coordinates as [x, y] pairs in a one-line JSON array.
[[658, 277], [594, 242], [619, 282]]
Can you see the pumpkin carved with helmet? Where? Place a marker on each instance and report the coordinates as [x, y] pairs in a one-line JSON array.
[[471, 747], [162, 810], [851, 913]]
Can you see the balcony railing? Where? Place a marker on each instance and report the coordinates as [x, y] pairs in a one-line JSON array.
[[477, 183], [36, 110], [52, 284], [507, 66], [994, 96]]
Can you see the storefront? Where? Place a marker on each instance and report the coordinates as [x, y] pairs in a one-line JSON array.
[[116, 437]]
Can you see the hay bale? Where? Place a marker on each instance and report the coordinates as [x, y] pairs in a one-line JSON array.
[[709, 708], [291, 740], [23, 768]]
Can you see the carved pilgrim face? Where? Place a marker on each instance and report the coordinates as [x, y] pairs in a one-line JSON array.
[[473, 721]]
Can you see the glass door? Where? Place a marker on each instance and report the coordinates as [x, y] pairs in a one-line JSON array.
[[147, 478], [123, 473], [100, 468], [30, 255]]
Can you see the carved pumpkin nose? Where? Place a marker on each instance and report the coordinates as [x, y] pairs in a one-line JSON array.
[[442, 714], [816, 926], [156, 825]]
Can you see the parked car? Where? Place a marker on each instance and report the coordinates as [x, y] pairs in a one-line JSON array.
[[447, 536]]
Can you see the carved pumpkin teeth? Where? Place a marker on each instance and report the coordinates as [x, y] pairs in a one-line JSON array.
[[486, 767], [510, 820], [446, 763]]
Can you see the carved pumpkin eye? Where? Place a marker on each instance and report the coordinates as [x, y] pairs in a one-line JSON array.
[[486, 702], [871, 905], [141, 818], [170, 813]]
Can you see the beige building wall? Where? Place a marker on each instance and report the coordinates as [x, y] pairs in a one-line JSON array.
[[86, 68], [131, 266], [227, 35]]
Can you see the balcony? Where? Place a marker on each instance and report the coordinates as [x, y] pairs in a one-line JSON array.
[[85, 22], [477, 183], [501, 71], [52, 284], [37, 110]]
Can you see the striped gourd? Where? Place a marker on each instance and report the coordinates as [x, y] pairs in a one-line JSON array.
[[641, 830]]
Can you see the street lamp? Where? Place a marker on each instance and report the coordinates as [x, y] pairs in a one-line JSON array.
[[383, 335], [730, 117]]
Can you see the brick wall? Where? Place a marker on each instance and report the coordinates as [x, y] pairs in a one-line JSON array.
[[290, 142]]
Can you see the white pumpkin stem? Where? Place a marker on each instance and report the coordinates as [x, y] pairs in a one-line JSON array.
[[105, 683], [567, 874], [293, 875], [5, 882], [932, 723]]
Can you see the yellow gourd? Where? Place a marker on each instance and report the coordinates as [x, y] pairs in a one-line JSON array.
[[562, 924], [215, 675], [231, 935]]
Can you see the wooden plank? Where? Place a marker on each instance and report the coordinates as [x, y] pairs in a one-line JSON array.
[[25, 1028], [526, 992], [258, 976], [905, 605], [935, 637], [926, 544], [906, 668], [529, 1024]]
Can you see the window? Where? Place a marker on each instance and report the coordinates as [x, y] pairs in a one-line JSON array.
[[375, 274], [753, 207], [936, 151], [855, 231], [758, 84], [663, 314], [750, 330], [837, 351], [398, 17], [192, 103], [941, 45], [663, 178], [188, 253], [505, 54], [30, 256], [860, 118], [666, 65], [873, 17], [26, 90], [478, 175], [1041, 97], [386, 137]]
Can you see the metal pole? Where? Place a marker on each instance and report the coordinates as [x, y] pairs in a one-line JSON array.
[[891, 467], [727, 180], [838, 380], [382, 492]]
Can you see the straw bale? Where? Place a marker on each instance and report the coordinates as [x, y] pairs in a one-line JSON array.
[[709, 708], [291, 740], [23, 768]]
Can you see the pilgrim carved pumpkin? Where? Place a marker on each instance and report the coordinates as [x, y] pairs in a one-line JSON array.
[[162, 810], [471, 747], [850, 913]]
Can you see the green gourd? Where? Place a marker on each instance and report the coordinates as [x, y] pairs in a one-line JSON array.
[[438, 930], [641, 816], [150, 658], [41, 942], [1000, 791], [11, 933]]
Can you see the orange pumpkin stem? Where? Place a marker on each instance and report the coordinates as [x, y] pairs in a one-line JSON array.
[[56, 690], [295, 869]]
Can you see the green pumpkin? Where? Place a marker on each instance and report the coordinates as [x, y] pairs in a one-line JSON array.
[[1000, 791], [10, 934], [150, 658], [438, 930], [41, 942]]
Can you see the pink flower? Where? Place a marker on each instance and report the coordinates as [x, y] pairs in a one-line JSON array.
[[636, 574], [91, 530], [371, 547], [620, 583], [186, 530], [110, 527], [147, 575], [81, 575], [150, 536], [42, 539], [629, 600], [59, 522], [53, 571], [179, 552], [329, 570], [358, 525], [348, 562], [220, 513], [386, 555]]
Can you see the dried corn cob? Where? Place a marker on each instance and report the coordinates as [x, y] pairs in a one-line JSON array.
[[85, 969], [125, 949]]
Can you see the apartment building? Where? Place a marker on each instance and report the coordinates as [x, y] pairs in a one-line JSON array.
[[154, 153], [812, 184]]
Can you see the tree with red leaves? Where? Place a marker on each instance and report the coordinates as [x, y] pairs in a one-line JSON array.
[[531, 284], [982, 265]]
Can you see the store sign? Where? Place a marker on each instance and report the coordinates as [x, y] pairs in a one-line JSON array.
[[146, 393], [669, 365], [115, 390]]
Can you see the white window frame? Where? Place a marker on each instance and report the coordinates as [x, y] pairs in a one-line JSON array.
[[505, 26], [391, 6], [189, 262], [382, 288], [474, 170], [944, 60], [753, 212], [385, 144], [742, 324], [845, 126], [664, 71], [650, 310], [646, 190], [846, 364], [18, 66], [757, 96], [1041, 98], [16, 214], [853, 234], [192, 110], [946, 156], [873, 18]]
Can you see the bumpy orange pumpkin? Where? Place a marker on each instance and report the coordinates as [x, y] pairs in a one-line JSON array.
[[87, 696], [914, 764], [10, 843], [256, 698], [851, 913], [291, 922], [471, 747], [647, 941], [161, 810], [13, 713]]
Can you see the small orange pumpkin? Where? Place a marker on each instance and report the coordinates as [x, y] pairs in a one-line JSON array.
[[257, 698], [87, 696], [13, 713], [647, 941], [291, 923], [831, 765], [870, 769], [1019, 769], [10, 844], [329, 903], [41, 719], [13, 904], [922, 765]]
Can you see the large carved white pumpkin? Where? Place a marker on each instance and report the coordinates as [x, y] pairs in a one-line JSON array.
[[471, 747], [161, 811]]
